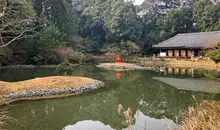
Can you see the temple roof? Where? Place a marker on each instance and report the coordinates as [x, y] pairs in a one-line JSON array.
[[191, 40]]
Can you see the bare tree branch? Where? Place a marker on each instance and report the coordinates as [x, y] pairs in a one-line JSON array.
[[15, 38], [15, 22]]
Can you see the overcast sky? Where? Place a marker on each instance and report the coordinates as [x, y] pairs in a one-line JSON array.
[[138, 2]]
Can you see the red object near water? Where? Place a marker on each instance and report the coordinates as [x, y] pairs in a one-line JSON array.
[[119, 59], [118, 74]]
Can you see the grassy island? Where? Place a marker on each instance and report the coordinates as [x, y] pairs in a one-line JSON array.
[[47, 87]]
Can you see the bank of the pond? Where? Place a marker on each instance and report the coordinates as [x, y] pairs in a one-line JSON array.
[[203, 64], [27, 66], [31, 66], [48, 87], [200, 64], [121, 66]]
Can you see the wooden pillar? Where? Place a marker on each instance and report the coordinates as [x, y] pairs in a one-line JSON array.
[[183, 53], [176, 53], [170, 53], [189, 53]]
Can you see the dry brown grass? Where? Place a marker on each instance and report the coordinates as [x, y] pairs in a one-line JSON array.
[[197, 64], [3, 118], [43, 83], [204, 116], [128, 115]]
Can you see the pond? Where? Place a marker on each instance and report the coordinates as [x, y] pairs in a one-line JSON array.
[[145, 92]]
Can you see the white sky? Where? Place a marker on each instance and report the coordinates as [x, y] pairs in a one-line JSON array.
[[138, 2]]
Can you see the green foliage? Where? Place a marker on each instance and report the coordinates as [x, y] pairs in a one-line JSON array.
[[133, 48], [38, 59], [94, 45], [57, 12], [76, 57], [124, 53], [46, 46], [102, 26], [50, 38], [3, 61], [64, 68], [53, 59], [179, 21], [79, 58], [27, 7], [211, 76], [216, 57], [206, 15], [130, 48]]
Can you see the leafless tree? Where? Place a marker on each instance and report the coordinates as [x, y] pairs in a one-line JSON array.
[[16, 21]]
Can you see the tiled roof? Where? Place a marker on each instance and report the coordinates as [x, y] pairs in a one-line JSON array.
[[191, 40]]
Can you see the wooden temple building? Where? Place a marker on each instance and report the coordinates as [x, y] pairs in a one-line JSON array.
[[188, 45]]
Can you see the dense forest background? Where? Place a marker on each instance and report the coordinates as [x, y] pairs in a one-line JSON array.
[[52, 31]]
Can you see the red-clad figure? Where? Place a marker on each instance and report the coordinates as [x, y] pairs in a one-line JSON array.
[[119, 59]]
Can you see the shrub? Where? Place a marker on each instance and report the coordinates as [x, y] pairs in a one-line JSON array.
[[216, 55], [38, 59], [124, 53], [111, 48], [53, 59], [89, 58], [133, 48], [64, 68], [94, 45], [77, 57], [3, 61]]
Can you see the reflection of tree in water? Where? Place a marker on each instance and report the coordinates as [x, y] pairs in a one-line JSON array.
[[25, 74], [135, 89]]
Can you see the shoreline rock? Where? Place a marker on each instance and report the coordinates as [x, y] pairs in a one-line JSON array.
[[122, 66], [54, 92]]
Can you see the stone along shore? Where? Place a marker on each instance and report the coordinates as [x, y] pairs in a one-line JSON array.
[[48, 87], [123, 66]]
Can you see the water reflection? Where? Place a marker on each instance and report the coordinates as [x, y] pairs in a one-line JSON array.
[[189, 72], [142, 122], [118, 73], [88, 125], [135, 89], [203, 85]]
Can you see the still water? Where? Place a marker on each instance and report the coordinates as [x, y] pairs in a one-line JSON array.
[[149, 98]]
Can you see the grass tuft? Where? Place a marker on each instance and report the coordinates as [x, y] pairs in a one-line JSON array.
[[204, 116]]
